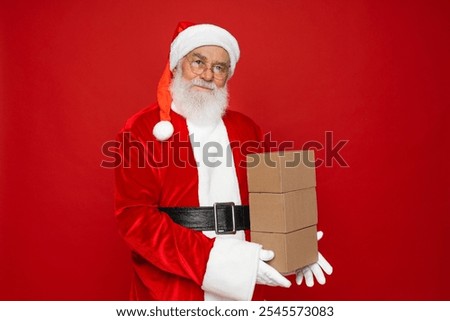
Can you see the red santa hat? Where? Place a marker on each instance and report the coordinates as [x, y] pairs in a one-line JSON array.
[[187, 37]]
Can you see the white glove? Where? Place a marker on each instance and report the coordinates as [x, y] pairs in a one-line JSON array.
[[267, 275], [308, 272]]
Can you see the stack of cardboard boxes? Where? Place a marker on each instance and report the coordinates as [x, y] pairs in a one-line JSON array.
[[283, 206]]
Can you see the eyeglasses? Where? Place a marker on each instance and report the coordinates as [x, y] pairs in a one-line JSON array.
[[198, 67]]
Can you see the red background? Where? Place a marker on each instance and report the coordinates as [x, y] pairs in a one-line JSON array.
[[375, 73]]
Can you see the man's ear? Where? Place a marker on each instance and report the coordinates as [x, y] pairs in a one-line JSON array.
[[175, 70]]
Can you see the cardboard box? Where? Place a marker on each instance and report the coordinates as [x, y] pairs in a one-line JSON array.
[[293, 250], [283, 212], [280, 172], [283, 206]]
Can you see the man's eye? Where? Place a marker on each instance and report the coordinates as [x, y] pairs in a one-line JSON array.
[[198, 63], [218, 68]]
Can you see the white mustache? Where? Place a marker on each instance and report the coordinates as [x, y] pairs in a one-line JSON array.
[[203, 83]]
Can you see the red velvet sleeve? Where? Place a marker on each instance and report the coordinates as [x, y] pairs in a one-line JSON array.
[[149, 232]]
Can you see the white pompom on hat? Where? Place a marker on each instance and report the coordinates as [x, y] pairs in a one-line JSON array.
[[187, 37]]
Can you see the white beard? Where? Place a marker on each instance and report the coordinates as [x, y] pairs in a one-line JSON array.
[[202, 108]]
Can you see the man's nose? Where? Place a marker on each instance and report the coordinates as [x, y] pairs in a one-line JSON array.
[[207, 75]]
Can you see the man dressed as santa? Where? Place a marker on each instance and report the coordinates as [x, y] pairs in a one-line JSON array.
[[181, 188]]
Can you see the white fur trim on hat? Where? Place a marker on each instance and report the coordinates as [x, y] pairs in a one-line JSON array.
[[163, 130], [203, 35]]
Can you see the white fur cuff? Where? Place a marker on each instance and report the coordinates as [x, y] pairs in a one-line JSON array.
[[231, 269]]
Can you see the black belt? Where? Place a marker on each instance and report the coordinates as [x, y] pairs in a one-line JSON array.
[[224, 218]]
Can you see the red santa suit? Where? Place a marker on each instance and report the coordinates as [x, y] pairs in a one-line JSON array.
[[172, 262], [178, 169]]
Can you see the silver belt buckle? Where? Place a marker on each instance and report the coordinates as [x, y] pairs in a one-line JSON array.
[[216, 220]]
